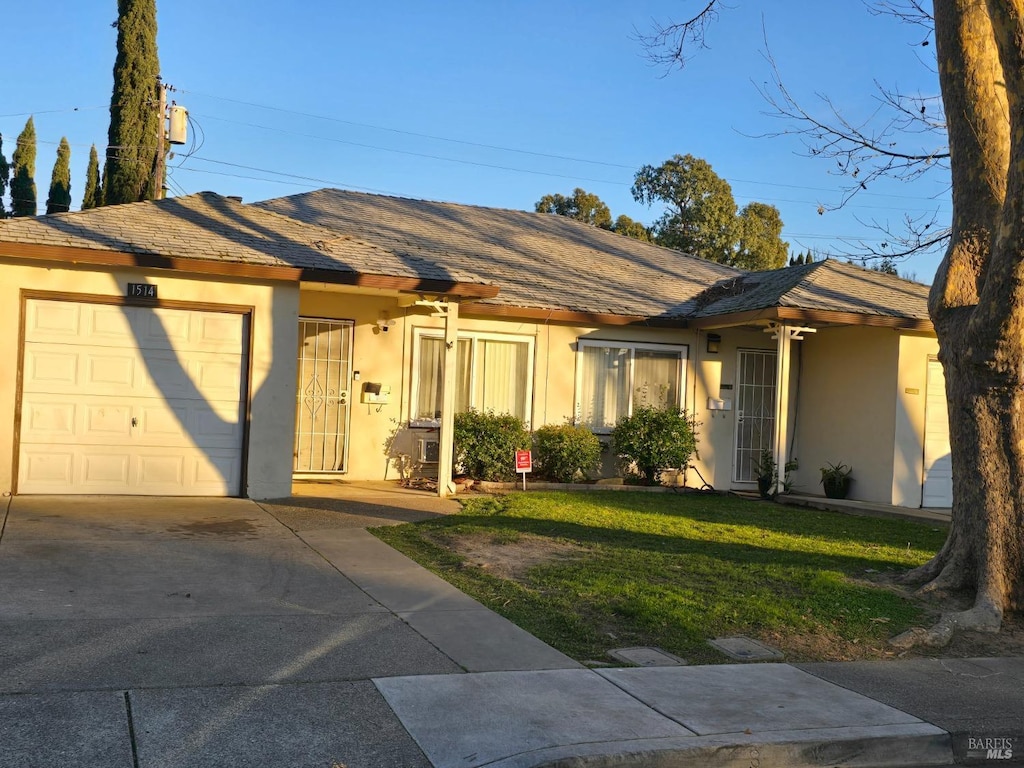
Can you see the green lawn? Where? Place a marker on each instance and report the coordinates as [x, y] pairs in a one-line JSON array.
[[675, 570]]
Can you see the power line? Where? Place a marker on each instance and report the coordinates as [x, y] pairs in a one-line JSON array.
[[412, 133]]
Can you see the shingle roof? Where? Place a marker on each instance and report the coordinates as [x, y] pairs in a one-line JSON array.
[[538, 260], [206, 226], [829, 286]]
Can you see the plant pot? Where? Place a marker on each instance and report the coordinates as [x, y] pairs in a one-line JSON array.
[[836, 487], [764, 487]]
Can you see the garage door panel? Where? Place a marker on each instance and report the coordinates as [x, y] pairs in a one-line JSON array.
[[105, 469], [203, 376], [48, 369], [131, 400], [57, 320], [45, 468]]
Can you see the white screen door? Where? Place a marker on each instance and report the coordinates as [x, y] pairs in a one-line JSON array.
[[755, 411], [324, 387]]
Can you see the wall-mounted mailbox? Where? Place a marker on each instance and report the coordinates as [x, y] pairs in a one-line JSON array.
[[719, 404], [376, 393]]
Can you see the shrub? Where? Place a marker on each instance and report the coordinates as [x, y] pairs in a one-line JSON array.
[[566, 452], [651, 440], [485, 444]]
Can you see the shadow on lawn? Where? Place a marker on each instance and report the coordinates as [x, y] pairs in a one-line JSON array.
[[774, 518], [677, 545]]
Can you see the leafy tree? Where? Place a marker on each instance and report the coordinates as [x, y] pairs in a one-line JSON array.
[[700, 215], [23, 166], [976, 302], [5, 177], [760, 244], [580, 205], [134, 120], [59, 199], [626, 226], [93, 195]]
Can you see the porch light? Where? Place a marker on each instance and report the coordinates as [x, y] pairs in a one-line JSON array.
[[714, 343]]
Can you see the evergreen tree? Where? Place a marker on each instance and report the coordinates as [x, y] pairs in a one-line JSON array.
[[760, 243], [700, 212], [93, 195], [23, 181], [580, 205], [134, 120], [59, 199], [624, 225], [5, 176]]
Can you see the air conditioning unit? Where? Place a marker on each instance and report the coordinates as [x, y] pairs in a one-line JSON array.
[[427, 450]]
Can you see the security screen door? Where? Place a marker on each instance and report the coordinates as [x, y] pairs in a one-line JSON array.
[[755, 411], [323, 395]]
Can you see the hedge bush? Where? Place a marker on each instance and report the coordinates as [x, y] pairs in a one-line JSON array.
[[651, 440], [565, 453], [485, 444]]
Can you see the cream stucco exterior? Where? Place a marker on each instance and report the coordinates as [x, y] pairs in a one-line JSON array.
[[387, 358], [856, 394], [274, 312], [861, 403]]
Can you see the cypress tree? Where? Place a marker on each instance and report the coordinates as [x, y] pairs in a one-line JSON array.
[[23, 181], [59, 199], [134, 119], [5, 175], [93, 195]]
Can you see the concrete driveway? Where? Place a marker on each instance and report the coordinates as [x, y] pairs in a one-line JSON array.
[[183, 632]]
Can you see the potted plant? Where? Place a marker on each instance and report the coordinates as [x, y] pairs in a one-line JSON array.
[[835, 478], [764, 467]]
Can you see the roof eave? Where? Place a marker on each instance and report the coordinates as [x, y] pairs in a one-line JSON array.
[[576, 317], [109, 258], [812, 317]]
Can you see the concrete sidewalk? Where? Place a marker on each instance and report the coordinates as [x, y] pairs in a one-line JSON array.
[[225, 633]]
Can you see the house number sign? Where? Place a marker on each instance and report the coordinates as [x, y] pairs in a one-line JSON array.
[[141, 291]]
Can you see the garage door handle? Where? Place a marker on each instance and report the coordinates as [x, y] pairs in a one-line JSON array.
[[135, 422]]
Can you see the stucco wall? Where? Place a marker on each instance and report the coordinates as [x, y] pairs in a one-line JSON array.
[[911, 391], [273, 353], [386, 358], [847, 409]]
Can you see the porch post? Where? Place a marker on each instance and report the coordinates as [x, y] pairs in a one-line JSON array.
[[446, 443], [784, 341]]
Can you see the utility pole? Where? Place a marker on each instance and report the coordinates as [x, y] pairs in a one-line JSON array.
[[158, 175]]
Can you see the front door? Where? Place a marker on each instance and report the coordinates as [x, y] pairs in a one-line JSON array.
[[755, 411], [323, 392]]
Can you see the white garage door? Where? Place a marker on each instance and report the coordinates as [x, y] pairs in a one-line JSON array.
[[938, 465], [131, 400]]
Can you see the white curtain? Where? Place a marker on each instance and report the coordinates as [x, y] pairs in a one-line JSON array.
[[430, 372], [656, 379], [605, 395], [502, 371]]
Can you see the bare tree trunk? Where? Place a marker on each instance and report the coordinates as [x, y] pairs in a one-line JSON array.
[[977, 306]]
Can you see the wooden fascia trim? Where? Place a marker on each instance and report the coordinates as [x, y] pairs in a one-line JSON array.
[[566, 316], [72, 255], [811, 316]]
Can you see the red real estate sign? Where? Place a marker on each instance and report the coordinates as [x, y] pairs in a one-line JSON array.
[[524, 461]]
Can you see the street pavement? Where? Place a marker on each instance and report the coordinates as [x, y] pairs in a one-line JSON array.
[[145, 633]]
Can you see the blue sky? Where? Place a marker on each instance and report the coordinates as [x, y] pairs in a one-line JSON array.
[[485, 103]]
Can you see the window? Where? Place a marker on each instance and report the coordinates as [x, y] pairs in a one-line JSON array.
[[613, 378], [494, 373]]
